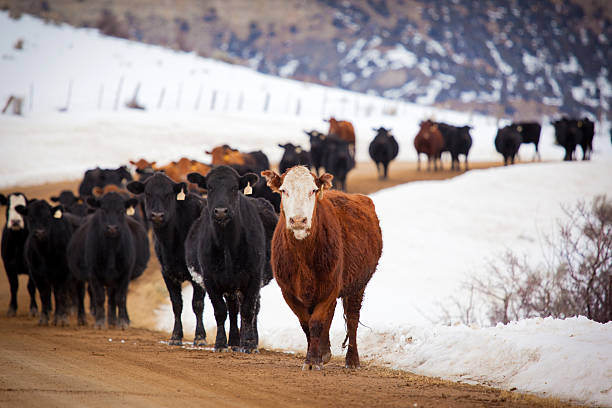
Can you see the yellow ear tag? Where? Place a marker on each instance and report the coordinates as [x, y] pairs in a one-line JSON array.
[[180, 196], [519, 128], [248, 190], [57, 214], [323, 137], [130, 211], [298, 150]]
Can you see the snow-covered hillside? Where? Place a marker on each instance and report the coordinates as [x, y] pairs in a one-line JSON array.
[[436, 234]]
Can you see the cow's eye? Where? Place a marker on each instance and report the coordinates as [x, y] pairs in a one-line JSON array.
[[314, 191], [284, 192]]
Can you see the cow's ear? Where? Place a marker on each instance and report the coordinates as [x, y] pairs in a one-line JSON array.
[[179, 190], [3, 199], [97, 192], [125, 173], [130, 205], [249, 178], [324, 183], [281, 146], [55, 199], [197, 178], [21, 210], [93, 202], [58, 211], [272, 179], [132, 162], [135, 187]]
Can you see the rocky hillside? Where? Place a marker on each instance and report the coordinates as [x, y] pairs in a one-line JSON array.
[[517, 58]]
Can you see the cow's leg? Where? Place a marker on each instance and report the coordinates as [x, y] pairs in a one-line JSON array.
[[303, 316], [98, 292], [60, 293], [428, 162], [14, 284], [92, 304], [325, 343], [352, 307], [176, 298], [121, 302], [197, 304], [44, 289], [316, 324], [80, 295], [466, 163], [386, 170], [233, 307], [418, 161], [220, 315], [32, 292], [111, 312], [249, 306]]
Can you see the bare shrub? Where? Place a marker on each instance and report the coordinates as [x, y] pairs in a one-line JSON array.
[[577, 280]]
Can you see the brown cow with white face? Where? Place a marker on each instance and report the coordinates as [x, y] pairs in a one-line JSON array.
[[326, 245]]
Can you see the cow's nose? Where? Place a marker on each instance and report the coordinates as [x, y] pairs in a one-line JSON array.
[[297, 221], [15, 223], [112, 229], [39, 233], [157, 216], [220, 212]]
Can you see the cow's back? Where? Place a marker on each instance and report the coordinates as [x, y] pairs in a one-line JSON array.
[[361, 236]]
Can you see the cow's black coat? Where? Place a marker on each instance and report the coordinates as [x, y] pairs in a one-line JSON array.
[[383, 149]]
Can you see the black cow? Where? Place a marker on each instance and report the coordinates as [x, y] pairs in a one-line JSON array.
[[172, 211], [317, 149], [530, 133], [71, 203], [383, 149], [567, 135], [262, 190], [293, 156], [457, 141], [14, 237], [507, 142], [101, 177], [587, 132], [338, 160], [108, 250], [228, 252], [45, 255]]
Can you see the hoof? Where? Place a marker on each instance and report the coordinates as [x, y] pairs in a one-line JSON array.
[[33, 311], [306, 366], [82, 321], [43, 322], [326, 357], [199, 342], [175, 342], [124, 324], [352, 366], [235, 348], [11, 312], [221, 349], [99, 325], [309, 366]]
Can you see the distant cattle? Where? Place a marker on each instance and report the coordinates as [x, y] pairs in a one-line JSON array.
[[342, 130], [383, 149], [255, 161], [293, 156], [338, 160], [317, 148], [429, 141], [228, 253], [144, 168], [530, 133], [101, 177], [457, 141], [570, 133], [326, 245], [14, 235], [45, 255], [71, 203], [178, 170], [172, 211], [507, 143], [108, 250]]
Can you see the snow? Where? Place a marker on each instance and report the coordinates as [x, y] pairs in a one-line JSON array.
[[451, 229]]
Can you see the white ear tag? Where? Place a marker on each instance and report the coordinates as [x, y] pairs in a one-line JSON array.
[[180, 196], [130, 211], [248, 190], [57, 214]]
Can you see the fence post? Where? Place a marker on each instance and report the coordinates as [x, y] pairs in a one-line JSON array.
[[161, 98], [118, 94], [179, 96], [240, 101], [298, 107], [266, 102], [213, 100], [198, 98]]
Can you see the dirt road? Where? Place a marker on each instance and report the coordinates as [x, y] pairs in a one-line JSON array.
[[65, 367]]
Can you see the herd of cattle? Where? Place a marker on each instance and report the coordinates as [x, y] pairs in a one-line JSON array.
[[222, 228]]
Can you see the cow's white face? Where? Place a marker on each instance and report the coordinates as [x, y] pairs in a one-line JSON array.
[[15, 220], [299, 195]]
